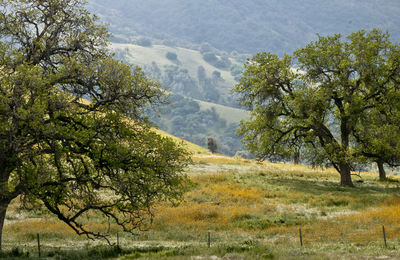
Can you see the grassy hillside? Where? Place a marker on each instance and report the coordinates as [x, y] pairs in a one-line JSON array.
[[252, 210], [193, 148], [202, 103], [230, 114], [186, 58]]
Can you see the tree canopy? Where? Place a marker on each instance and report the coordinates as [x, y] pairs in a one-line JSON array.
[[327, 98], [72, 132]]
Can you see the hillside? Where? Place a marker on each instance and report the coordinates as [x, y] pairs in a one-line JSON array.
[[188, 59], [251, 210], [182, 74], [201, 104], [245, 26]]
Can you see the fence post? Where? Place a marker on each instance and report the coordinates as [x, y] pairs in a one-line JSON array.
[[384, 235], [209, 240], [38, 243], [301, 238], [117, 239]]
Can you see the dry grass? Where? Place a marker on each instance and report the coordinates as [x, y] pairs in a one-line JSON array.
[[250, 203], [193, 148]]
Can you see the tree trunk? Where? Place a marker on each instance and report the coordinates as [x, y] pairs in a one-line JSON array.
[[382, 173], [296, 157], [3, 210], [345, 175]]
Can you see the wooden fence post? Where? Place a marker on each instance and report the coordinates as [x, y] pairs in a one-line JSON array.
[[38, 243], [384, 235], [209, 240], [301, 238], [117, 239]]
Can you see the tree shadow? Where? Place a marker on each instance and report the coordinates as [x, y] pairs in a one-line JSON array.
[[323, 187]]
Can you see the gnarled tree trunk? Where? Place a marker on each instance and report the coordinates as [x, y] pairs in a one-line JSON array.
[[345, 175], [382, 173], [3, 210]]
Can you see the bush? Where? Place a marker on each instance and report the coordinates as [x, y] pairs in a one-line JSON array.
[[216, 74], [212, 144], [171, 56], [210, 57]]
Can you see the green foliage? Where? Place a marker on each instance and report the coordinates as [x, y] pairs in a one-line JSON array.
[[180, 82], [171, 56], [74, 156], [323, 104], [210, 57], [221, 63], [212, 144]]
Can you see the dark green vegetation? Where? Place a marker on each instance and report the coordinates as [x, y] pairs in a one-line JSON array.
[[76, 157], [278, 26], [336, 101], [154, 252]]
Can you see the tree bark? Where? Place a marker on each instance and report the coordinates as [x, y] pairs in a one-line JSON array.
[[382, 173], [296, 157], [3, 210], [345, 175]]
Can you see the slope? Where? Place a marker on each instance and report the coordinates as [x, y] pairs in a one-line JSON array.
[[188, 59], [202, 103]]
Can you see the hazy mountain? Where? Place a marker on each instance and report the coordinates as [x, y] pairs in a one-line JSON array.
[[247, 26]]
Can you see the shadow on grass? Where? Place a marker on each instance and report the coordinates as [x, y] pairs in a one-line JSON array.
[[331, 194], [99, 252], [254, 251], [324, 187]]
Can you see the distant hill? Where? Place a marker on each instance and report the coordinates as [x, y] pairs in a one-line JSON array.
[[187, 62], [278, 26], [201, 103]]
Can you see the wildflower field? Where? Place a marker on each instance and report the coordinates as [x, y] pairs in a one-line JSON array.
[[249, 209]]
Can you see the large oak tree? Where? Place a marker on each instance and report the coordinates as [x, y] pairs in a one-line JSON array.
[[322, 98], [73, 156]]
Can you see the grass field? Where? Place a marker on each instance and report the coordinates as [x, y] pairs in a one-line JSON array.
[[252, 210]]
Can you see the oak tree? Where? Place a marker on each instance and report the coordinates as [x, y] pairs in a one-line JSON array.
[[320, 98], [58, 150]]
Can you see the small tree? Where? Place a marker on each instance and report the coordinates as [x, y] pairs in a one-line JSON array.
[[210, 57], [212, 144], [322, 104], [65, 152], [171, 56], [201, 74]]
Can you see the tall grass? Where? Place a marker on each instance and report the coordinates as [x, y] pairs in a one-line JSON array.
[[251, 209]]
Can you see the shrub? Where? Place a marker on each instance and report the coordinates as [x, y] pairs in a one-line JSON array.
[[171, 56], [210, 57], [212, 144]]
